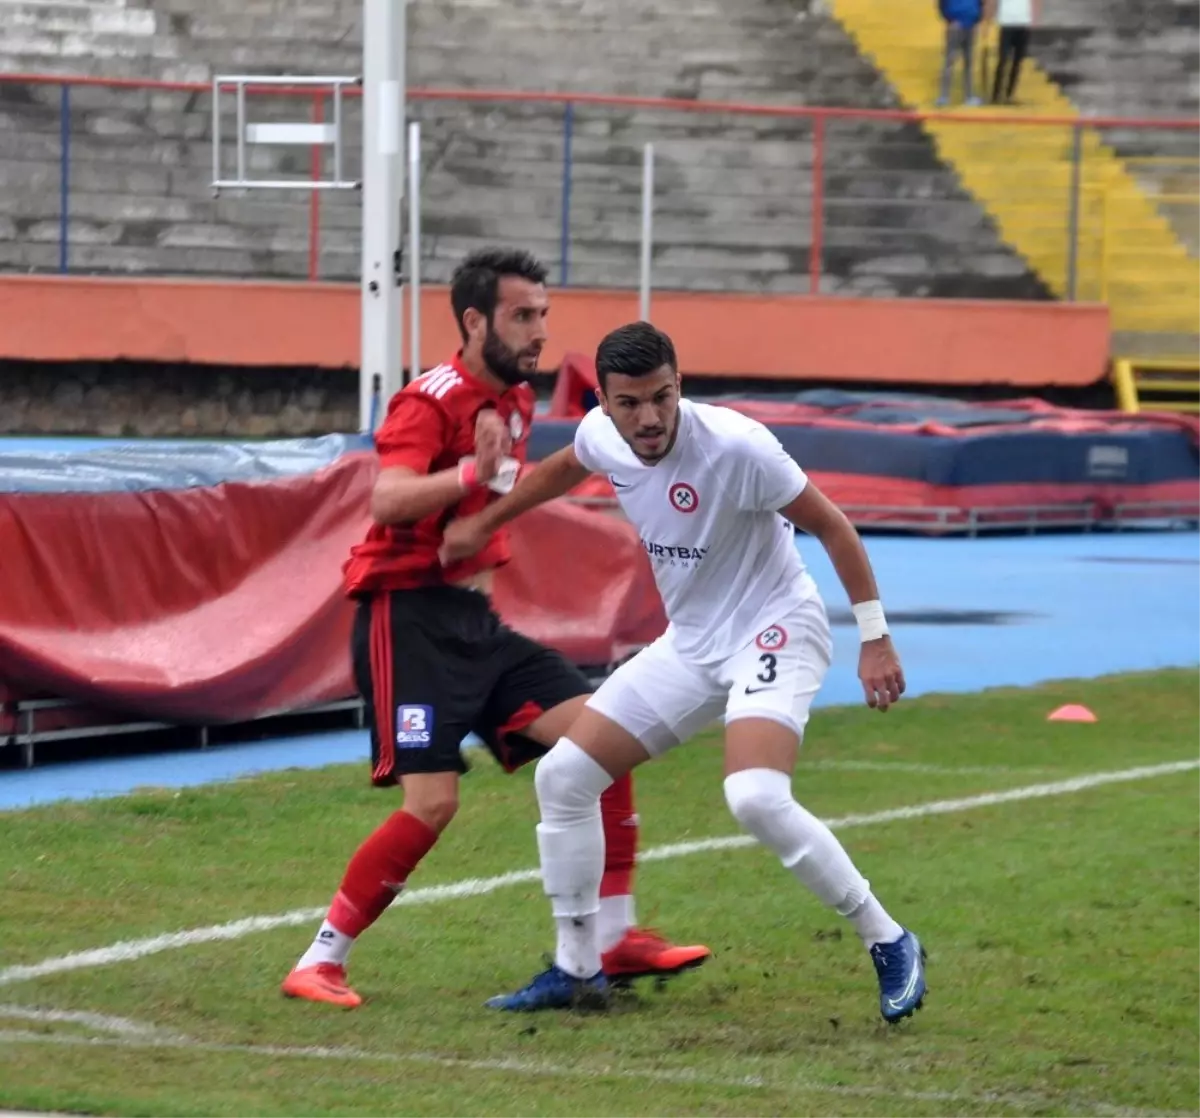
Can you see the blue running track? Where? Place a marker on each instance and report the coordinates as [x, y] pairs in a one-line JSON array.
[[966, 614]]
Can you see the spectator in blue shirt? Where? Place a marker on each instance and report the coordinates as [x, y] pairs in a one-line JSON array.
[[962, 17]]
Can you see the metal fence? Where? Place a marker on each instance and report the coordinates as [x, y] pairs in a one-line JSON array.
[[773, 198]]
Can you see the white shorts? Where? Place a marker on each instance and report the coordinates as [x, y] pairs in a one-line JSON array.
[[663, 699]]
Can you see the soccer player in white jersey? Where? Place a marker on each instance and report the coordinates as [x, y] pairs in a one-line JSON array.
[[714, 497]]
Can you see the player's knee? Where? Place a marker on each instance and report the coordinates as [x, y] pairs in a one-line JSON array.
[[759, 800], [436, 814], [434, 802], [569, 782]]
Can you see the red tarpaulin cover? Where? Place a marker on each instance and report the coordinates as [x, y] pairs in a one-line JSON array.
[[224, 603]]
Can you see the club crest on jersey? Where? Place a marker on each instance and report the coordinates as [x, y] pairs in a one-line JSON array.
[[414, 726], [516, 427], [683, 497], [772, 639]]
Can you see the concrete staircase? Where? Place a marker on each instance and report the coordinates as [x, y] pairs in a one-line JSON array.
[[734, 200], [1128, 252], [1137, 58]]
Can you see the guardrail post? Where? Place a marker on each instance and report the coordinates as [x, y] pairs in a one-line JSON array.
[[816, 246], [564, 248], [64, 177], [1073, 211], [647, 263], [314, 196]]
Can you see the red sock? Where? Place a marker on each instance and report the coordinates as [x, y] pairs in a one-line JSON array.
[[620, 837], [378, 871]]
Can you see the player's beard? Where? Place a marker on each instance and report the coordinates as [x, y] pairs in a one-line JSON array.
[[502, 361], [667, 447]]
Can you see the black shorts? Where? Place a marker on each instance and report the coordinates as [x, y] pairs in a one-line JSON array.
[[436, 663]]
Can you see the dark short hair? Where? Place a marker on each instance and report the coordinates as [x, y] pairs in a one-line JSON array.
[[635, 350], [476, 281]]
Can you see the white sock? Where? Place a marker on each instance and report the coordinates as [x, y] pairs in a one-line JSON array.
[[330, 946], [761, 801], [615, 919], [571, 844], [577, 951], [873, 924]]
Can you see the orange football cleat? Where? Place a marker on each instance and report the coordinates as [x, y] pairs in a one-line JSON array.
[[325, 982], [642, 953]]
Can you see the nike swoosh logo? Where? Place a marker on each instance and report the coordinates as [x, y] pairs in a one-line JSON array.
[[909, 987], [756, 690], [619, 484]]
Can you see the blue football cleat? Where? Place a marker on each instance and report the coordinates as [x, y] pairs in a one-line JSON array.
[[901, 970], [555, 989]]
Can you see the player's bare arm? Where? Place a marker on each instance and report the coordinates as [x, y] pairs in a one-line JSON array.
[[879, 667], [553, 477], [402, 496]]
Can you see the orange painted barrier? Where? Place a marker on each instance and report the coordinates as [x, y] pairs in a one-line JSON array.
[[772, 337]]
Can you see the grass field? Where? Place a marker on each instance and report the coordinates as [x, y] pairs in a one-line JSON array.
[[1061, 921]]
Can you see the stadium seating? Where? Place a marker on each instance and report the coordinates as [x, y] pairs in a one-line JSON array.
[[734, 197], [1127, 58]]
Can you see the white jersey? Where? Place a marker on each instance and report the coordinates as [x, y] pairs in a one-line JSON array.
[[1015, 13], [724, 560]]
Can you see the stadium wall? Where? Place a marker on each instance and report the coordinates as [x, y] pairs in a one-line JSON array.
[[153, 357]]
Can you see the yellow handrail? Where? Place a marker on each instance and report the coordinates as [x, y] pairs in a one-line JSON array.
[[1128, 388], [1123, 386]]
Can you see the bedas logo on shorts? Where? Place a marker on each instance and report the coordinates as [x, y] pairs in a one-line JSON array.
[[414, 727]]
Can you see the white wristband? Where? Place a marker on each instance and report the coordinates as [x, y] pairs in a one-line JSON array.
[[505, 479], [871, 623], [506, 476]]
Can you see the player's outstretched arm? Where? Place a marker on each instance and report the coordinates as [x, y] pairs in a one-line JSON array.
[[878, 665], [404, 496], [553, 477], [401, 496]]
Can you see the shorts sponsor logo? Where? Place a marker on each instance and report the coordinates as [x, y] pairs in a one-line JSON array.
[[772, 639], [683, 497], [414, 726]]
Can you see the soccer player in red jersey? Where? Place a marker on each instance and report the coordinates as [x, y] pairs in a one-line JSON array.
[[432, 659]]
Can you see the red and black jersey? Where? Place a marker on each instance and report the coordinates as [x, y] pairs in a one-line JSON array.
[[429, 427]]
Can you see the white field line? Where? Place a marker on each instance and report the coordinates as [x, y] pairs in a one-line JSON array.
[[129, 950], [925, 769], [98, 1022], [544, 1069], [835, 765]]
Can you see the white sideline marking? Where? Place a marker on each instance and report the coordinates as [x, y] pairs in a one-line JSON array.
[[921, 767], [101, 1022], [835, 765], [563, 1071], [129, 950]]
